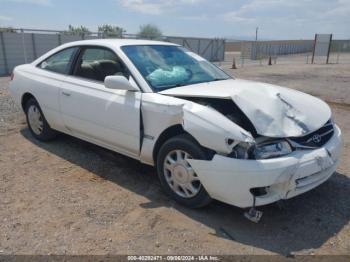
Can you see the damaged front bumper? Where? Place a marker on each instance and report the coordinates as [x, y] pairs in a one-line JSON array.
[[231, 180]]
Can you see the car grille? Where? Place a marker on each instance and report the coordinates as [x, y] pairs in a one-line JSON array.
[[317, 138]]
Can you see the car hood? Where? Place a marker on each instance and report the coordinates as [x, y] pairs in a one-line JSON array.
[[273, 110]]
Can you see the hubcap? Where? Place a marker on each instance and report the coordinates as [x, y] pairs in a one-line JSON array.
[[179, 174], [35, 119]]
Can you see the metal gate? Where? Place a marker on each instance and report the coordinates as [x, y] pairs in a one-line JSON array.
[[322, 48]]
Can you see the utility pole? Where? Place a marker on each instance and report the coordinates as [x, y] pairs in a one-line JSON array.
[[256, 33]]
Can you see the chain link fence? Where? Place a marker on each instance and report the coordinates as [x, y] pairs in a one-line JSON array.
[[258, 52], [340, 52], [25, 45], [246, 53]]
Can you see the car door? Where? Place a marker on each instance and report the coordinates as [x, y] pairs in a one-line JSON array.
[[110, 118], [46, 80]]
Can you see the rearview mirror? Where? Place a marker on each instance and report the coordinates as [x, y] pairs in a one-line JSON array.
[[120, 83]]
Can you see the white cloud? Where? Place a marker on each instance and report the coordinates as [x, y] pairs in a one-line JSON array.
[[156, 7], [5, 18], [284, 9], [235, 16], [146, 7], [342, 9], [256, 9], [190, 1], [278, 18]]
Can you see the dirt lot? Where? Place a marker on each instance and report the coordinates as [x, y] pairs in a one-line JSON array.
[[71, 197]]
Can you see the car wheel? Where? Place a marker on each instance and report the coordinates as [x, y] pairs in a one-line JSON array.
[[177, 176], [37, 123]]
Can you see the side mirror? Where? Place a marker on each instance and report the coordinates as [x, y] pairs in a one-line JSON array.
[[120, 83]]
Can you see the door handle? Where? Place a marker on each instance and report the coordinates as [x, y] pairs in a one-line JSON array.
[[66, 94]]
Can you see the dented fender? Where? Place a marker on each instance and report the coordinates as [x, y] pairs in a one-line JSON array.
[[209, 127], [212, 129]]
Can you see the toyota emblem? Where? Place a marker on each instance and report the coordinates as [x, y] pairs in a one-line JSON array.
[[316, 138]]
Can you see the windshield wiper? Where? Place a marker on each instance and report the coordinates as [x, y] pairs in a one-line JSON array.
[[161, 88], [172, 86], [217, 79]]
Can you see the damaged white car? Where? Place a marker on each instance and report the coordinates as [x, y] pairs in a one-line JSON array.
[[210, 136]]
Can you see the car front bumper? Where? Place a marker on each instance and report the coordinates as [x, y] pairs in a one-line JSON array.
[[230, 180]]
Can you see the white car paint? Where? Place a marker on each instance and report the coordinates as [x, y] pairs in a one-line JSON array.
[[286, 177], [100, 111], [274, 111], [131, 123]]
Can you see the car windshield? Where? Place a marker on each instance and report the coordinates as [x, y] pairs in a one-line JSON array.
[[166, 66]]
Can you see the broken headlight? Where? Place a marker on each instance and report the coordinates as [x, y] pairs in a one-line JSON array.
[[242, 151], [272, 149]]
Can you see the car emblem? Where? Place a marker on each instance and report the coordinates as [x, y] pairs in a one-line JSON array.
[[316, 138]]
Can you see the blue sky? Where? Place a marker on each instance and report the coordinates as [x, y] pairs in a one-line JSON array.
[[277, 19]]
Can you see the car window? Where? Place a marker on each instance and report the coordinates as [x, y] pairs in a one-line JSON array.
[[97, 63], [59, 62]]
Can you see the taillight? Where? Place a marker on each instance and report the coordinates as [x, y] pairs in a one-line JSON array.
[[12, 76]]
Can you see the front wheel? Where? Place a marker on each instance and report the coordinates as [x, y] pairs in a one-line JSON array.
[[176, 175]]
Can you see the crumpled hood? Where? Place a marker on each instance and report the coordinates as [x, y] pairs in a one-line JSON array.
[[273, 110]]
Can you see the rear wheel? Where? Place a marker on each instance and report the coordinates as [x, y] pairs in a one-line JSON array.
[[176, 175], [37, 123]]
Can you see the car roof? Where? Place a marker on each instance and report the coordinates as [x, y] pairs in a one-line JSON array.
[[117, 42]]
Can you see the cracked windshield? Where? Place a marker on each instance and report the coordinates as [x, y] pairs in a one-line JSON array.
[[166, 67]]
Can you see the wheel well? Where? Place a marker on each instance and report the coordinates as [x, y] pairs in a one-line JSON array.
[[25, 99], [171, 132], [167, 134]]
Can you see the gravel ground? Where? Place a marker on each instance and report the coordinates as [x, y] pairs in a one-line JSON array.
[[11, 117], [72, 197]]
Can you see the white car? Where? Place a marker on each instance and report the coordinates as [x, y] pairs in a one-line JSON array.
[[210, 136]]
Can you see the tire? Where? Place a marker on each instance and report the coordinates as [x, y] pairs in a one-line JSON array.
[[37, 123], [174, 177]]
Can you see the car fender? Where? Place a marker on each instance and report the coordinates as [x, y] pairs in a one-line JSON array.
[[209, 127]]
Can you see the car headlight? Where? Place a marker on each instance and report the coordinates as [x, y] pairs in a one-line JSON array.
[[243, 150], [272, 149]]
